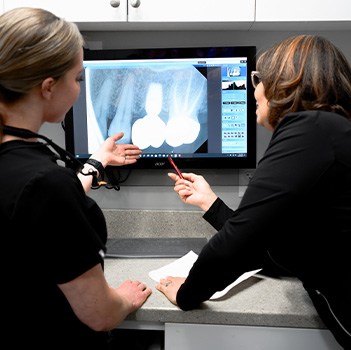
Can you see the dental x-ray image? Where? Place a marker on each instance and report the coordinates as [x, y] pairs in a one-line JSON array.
[[159, 107]]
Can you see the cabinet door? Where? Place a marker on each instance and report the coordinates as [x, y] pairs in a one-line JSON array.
[[226, 337], [191, 10], [302, 10], [78, 10]]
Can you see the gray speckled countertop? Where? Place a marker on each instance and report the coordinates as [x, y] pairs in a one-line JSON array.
[[254, 302]]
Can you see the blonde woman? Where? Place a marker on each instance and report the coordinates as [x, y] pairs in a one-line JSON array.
[[54, 236]]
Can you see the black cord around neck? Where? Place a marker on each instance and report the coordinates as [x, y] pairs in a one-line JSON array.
[[65, 156], [68, 158]]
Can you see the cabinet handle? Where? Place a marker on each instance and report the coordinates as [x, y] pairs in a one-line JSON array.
[[135, 3], [115, 3]]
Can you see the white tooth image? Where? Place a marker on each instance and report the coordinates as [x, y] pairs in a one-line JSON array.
[[150, 130]]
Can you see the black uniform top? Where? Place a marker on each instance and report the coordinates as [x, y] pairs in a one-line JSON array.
[[295, 217], [51, 233]]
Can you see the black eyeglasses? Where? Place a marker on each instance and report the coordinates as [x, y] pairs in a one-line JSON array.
[[255, 78]]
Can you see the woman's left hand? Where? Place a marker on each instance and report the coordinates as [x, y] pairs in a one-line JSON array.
[[112, 153], [169, 287]]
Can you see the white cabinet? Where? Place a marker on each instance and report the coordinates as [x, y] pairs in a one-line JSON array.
[[191, 11], [303, 15], [226, 337], [80, 11], [194, 14], [198, 14], [148, 14], [302, 10]]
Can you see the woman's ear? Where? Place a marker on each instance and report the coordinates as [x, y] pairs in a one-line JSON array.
[[47, 86]]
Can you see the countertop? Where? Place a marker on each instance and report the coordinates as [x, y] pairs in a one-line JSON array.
[[254, 302]]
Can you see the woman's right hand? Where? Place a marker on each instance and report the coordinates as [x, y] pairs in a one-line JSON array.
[[194, 189], [135, 293]]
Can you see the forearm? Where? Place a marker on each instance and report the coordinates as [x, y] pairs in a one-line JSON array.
[[100, 306], [218, 213], [86, 180], [87, 174], [112, 312]]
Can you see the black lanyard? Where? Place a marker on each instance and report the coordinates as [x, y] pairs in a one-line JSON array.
[[68, 158]]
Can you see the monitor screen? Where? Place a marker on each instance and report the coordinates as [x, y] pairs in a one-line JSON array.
[[195, 104]]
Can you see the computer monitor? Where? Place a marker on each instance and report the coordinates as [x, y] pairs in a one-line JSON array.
[[195, 104]]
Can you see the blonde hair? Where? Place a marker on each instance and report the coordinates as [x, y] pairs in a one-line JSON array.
[[34, 44], [305, 72]]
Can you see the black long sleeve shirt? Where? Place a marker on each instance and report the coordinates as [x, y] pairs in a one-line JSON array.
[[294, 216]]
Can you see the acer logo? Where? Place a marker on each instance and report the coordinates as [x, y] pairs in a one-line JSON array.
[[160, 163]]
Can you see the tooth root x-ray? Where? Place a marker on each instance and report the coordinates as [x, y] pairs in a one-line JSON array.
[[159, 109]]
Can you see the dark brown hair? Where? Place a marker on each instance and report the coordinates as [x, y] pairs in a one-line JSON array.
[[305, 72]]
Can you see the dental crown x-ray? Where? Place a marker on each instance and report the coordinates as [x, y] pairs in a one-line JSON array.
[[154, 106]]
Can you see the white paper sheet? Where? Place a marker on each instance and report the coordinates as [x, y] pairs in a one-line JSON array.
[[182, 266]]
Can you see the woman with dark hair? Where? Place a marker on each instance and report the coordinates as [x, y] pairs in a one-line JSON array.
[[295, 216]]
